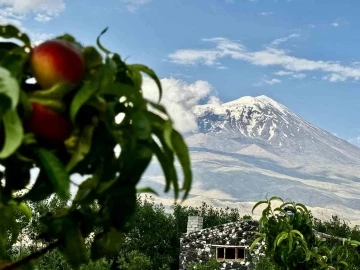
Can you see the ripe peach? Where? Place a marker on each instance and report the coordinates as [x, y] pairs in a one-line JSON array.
[[48, 124], [57, 61]]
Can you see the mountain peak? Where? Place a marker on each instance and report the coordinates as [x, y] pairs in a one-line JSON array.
[[261, 101], [262, 120]]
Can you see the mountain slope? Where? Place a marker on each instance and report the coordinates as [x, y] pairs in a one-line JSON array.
[[254, 147]]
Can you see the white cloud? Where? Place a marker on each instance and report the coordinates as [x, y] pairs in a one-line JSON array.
[[208, 57], [45, 10], [225, 48], [214, 100], [42, 17], [299, 76], [134, 5], [266, 13], [38, 38], [283, 73], [335, 24], [179, 97], [266, 81], [290, 73], [278, 41], [9, 16], [272, 81]]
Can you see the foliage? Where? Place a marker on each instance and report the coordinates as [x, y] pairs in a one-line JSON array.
[[340, 228], [156, 233], [109, 88], [134, 260], [152, 232], [262, 263], [211, 216], [291, 242], [212, 264]]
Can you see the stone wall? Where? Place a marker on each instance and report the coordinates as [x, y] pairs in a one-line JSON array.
[[198, 246], [195, 223]]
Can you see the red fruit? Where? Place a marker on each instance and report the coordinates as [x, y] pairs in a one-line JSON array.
[[48, 124], [57, 61]]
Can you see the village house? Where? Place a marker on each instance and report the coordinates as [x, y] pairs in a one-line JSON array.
[[228, 243]]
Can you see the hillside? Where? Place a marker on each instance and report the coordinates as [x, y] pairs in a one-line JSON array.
[[253, 147]]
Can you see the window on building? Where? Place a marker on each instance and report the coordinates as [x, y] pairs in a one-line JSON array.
[[230, 253], [241, 253], [220, 253]]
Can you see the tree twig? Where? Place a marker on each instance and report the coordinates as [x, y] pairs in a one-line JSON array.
[[31, 257]]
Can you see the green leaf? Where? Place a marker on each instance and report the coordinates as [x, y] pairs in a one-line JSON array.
[[158, 107], [58, 91], [74, 248], [7, 224], [303, 207], [56, 172], [282, 238], [108, 74], [167, 164], [279, 209], [101, 47], [290, 242], [71, 39], [279, 238], [9, 87], [92, 57], [257, 240], [14, 133], [106, 244], [257, 204], [298, 233], [86, 188], [5, 47], [5, 104], [124, 90], [22, 208], [344, 263], [83, 147], [147, 190], [182, 152], [102, 79], [89, 88], [135, 76], [10, 31], [141, 124], [15, 62], [277, 198], [168, 129], [41, 190], [151, 74]]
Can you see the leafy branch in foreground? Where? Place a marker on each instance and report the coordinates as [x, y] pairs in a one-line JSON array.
[[292, 243], [66, 123]]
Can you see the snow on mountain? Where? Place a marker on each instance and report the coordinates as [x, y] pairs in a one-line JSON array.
[[265, 122], [253, 147]]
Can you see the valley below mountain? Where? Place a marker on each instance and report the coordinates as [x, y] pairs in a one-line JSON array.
[[253, 147]]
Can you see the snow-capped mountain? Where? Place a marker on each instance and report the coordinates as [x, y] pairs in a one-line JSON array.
[[253, 147], [265, 122]]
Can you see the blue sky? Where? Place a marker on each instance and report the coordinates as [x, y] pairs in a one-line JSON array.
[[302, 53]]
